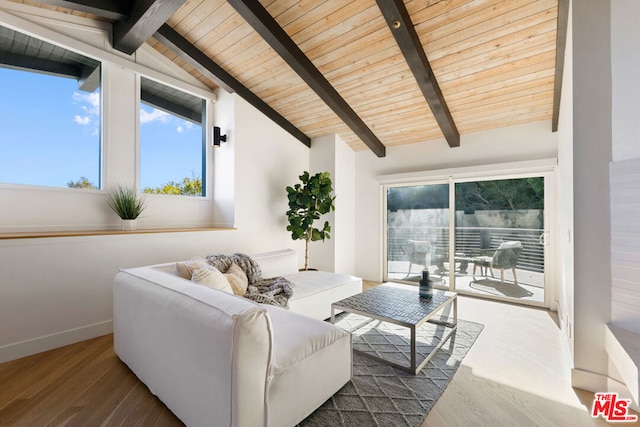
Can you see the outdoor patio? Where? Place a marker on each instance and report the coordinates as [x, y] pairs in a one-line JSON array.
[[414, 246], [530, 285]]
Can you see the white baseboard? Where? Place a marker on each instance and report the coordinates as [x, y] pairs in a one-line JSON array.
[[48, 342], [590, 381], [599, 383]]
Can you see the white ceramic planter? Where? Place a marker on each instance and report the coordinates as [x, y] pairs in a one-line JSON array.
[[129, 224]]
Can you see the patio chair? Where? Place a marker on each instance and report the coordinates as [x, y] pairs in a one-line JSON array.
[[420, 252], [505, 257], [426, 253]]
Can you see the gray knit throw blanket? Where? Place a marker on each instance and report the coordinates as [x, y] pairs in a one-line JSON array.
[[275, 290]]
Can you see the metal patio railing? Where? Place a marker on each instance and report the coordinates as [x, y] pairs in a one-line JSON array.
[[467, 239]]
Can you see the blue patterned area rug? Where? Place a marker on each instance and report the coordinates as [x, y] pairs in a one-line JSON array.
[[381, 395]]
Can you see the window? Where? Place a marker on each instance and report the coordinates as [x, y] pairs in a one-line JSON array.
[[172, 143], [49, 114]]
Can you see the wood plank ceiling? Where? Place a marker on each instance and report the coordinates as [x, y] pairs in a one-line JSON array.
[[494, 61]]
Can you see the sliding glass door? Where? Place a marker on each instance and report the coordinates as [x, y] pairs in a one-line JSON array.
[[484, 237], [499, 229], [417, 232]]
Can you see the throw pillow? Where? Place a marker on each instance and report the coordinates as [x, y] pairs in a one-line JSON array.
[[238, 279], [185, 269], [211, 277]]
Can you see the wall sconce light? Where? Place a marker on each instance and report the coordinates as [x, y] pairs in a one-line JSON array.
[[218, 138]]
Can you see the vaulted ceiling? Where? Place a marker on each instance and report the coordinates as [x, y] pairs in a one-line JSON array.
[[379, 73]]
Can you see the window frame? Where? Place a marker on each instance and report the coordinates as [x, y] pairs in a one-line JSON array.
[[206, 165], [49, 73]]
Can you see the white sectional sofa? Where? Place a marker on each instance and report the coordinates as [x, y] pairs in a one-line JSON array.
[[217, 359]]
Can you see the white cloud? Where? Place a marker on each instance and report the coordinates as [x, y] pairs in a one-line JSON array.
[[180, 129], [82, 120], [90, 106], [92, 99], [154, 115]]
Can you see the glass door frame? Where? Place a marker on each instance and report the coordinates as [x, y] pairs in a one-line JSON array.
[[543, 168]]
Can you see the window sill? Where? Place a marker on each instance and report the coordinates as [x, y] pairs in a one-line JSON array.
[[47, 234]]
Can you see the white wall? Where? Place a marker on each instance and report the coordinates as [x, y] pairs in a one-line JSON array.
[[224, 172], [625, 63], [346, 219], [564, 195], [625, 167], [517, 143], [55, 291], [329, 153], [268, 159], [606, 164], [592, 133], [323, 159]]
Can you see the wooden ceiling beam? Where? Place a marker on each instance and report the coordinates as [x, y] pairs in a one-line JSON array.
[[397, 17], [145, 19], [28, 63], [134, 21], [261, 21], [110, 9], [561, 43], [196, 58], [89, 79]]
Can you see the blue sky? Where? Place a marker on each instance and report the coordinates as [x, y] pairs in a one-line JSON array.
[[49, 135]]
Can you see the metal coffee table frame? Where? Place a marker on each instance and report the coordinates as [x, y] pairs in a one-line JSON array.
[[401, 305]]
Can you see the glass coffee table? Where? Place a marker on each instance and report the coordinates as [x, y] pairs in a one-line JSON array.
[[401, 305]]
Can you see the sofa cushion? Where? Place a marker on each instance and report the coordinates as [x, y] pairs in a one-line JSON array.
[[185, 269], [237, 279], [315, 291], [213, 278], [314, 282]]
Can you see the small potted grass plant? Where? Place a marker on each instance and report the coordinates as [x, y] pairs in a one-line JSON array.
[[128, 204]]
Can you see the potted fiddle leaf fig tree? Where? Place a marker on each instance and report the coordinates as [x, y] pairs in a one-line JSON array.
[[127, 204], [308, 201]]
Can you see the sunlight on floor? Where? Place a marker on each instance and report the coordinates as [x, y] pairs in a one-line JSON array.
[[517, 373]]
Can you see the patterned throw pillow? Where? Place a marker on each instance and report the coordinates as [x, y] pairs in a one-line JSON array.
[[185, 269], [238, 279], [211, 277]]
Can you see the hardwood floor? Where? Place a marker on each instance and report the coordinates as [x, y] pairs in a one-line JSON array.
[[517, 373], [84, 384]]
